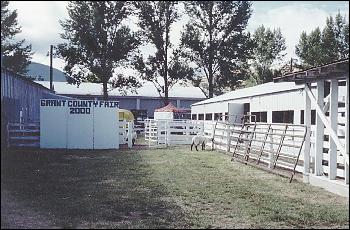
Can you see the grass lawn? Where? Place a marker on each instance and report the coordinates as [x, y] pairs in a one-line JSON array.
[[156, 188]]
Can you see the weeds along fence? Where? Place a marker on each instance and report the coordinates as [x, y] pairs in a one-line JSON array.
[[275, 146], [271, 145]]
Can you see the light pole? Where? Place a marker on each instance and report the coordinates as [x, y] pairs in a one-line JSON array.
[[51, 75]]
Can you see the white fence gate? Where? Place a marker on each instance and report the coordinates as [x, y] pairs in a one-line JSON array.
[[174, 132], [126, 131]]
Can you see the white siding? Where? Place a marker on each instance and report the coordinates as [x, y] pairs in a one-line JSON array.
[[272, 101]]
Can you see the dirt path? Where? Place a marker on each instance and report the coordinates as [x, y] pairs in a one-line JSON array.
[[15, 215]]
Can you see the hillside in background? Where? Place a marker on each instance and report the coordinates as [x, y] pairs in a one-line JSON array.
[[41, 72]]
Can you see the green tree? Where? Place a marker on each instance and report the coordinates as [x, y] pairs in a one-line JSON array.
[[97, 43], [310, 49], [215, 42], [269, 47], [164, 68], [341, 32], [16, 56], [331, 44], [346, 40]]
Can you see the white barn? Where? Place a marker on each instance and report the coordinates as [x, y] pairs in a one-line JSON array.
[[316, 98], [270, 102]]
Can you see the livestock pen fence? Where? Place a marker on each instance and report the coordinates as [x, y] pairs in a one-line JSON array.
[[276, 146], [271, 145], [24, 134], [172, 132], [126, 129]]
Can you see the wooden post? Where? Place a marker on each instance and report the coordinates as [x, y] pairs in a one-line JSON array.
[[149, 133], [346, 172], [307, 119], [228, 137], [319, 138], [188, 124], [326, 122], [130, 131], [213, 134], [21, 119], [166, 133], [271, 155], [333, 116]]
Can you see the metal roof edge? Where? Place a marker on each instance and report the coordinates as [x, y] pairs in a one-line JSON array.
[[24, 78], [297, 87]]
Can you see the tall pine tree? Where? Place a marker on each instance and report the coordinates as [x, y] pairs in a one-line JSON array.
[[310, 49], [97, 42], [331, 44], [16, 56]]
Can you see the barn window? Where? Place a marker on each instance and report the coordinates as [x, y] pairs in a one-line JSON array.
[[194, 116], [286, 116], [209, 116], [313, 117], [201, 116], [217, 116], [260, 116]]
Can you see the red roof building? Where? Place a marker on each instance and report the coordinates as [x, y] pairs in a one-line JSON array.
[[171, 112], [171, 108]]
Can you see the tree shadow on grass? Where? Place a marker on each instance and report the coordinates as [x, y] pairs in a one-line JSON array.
[[89, 189]]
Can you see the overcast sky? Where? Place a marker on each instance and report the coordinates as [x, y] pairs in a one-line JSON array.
[[41, 28]]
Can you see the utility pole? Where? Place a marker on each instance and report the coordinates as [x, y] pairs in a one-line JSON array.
[[51, 77]]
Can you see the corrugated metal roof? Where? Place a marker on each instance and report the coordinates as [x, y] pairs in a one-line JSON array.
[[24, 78], [266, 88], [147, 90]]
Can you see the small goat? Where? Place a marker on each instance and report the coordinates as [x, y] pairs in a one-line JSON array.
[[200, 139]]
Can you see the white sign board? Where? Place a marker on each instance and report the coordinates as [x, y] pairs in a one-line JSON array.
[[163, 115], [79, 124]]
